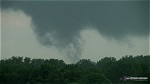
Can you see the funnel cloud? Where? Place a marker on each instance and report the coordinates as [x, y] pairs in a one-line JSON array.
[[60, 23]]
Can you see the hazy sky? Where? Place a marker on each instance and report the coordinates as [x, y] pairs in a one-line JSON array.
[[74, 30]]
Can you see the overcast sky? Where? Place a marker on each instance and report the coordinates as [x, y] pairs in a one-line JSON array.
[[74, 30]]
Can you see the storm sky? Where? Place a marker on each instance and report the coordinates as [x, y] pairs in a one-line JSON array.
[[73, 30]]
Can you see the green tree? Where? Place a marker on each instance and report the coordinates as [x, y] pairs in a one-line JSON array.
[[86, 64], [94, 78]]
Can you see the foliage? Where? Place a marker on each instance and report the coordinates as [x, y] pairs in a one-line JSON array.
[[19, 70]]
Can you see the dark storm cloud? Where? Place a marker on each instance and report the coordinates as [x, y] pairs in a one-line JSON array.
[[59, 23], [115, 19]]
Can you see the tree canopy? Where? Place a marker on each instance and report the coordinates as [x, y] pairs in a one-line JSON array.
[[108, 70]]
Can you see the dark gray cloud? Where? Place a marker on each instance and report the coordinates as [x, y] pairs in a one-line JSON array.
[[59, 23]]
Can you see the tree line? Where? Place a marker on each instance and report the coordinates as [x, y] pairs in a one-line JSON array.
[[108, 70]]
